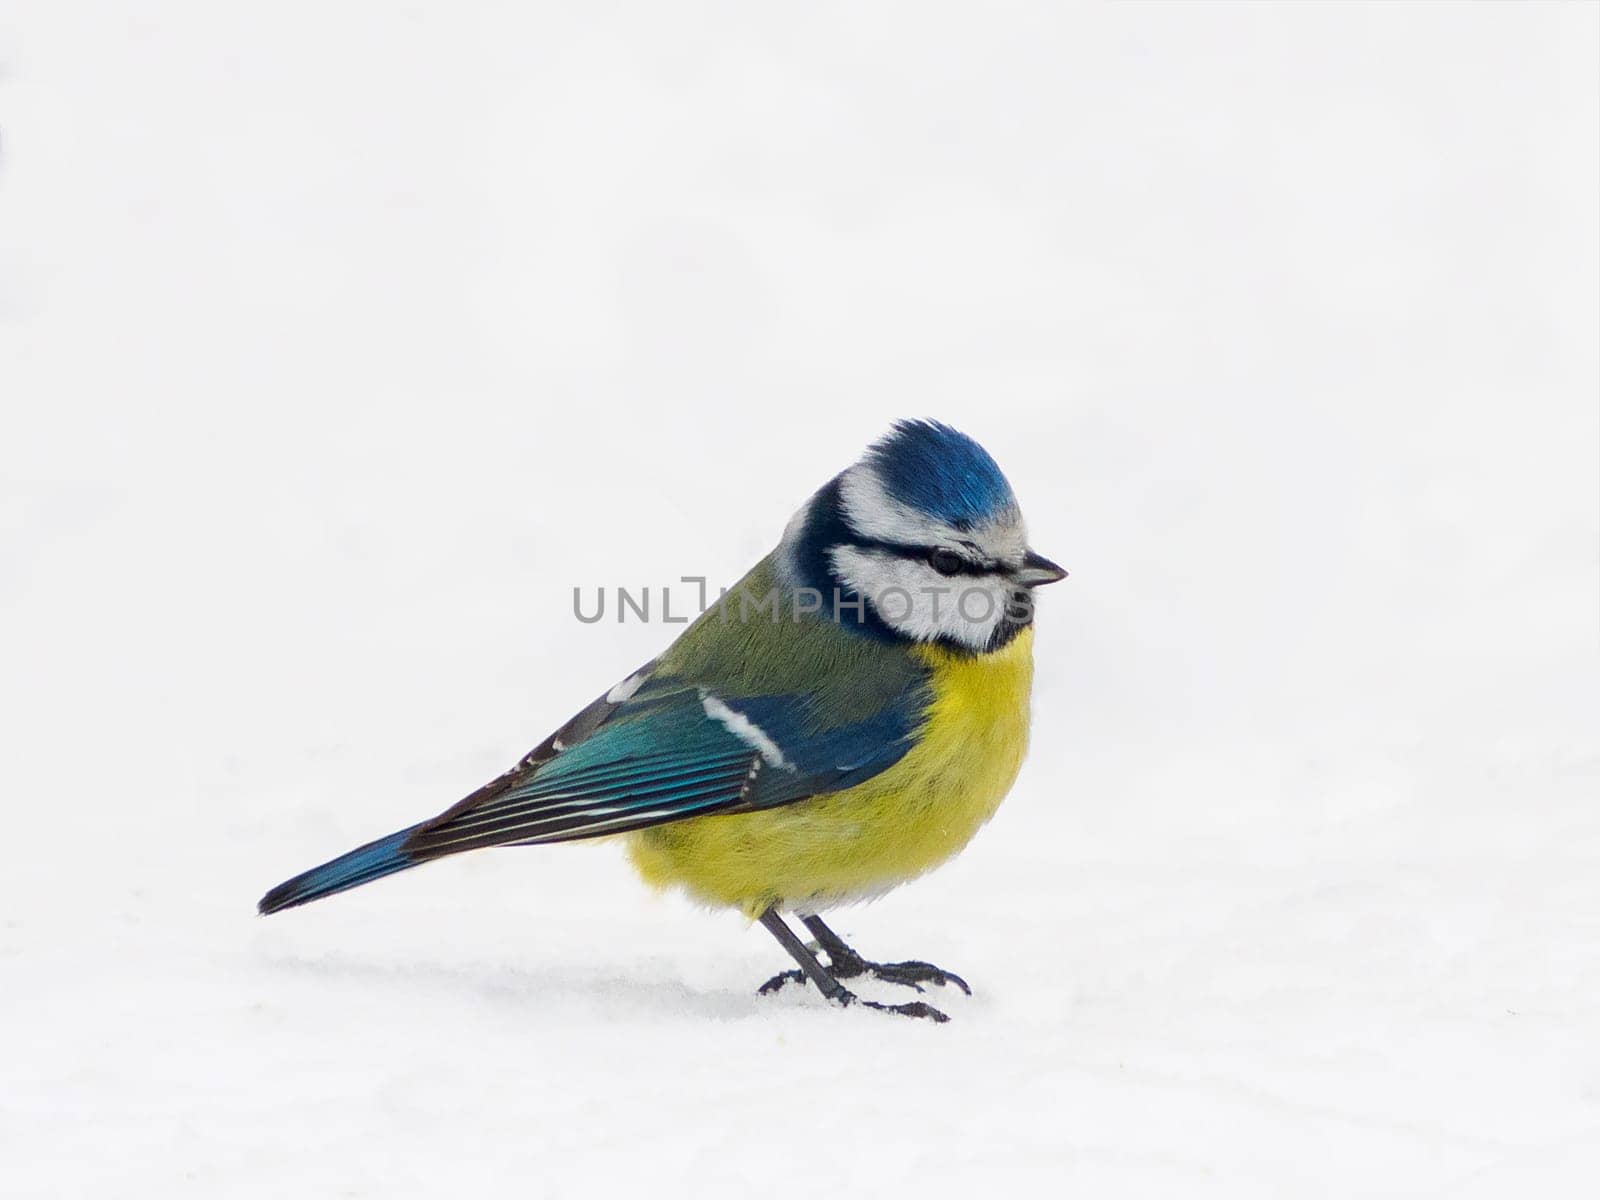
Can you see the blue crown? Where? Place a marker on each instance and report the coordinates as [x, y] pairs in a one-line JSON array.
[[941, 472]]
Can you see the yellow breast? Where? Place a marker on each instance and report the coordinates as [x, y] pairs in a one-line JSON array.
[[853, 844]]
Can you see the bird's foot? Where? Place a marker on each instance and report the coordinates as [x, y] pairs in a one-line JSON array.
[[844, 998], [847, 964]]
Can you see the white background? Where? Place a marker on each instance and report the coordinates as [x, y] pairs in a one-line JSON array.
[[339, 342]]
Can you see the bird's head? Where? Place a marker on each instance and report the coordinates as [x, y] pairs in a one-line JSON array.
[[922, 540]]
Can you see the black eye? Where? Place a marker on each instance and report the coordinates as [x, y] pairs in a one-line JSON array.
[[946, 562]]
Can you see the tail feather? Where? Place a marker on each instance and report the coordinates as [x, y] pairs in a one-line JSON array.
[[362, 865]]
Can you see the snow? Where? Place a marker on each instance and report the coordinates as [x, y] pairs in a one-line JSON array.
[[338, 344]]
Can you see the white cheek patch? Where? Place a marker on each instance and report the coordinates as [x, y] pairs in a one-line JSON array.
[[915, 600]]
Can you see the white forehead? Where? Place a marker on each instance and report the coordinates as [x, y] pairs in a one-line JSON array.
[[869, 509]]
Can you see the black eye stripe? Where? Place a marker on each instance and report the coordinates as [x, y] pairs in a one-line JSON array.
[[923, 554]]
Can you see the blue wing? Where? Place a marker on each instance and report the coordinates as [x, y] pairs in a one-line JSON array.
[[665, 750]]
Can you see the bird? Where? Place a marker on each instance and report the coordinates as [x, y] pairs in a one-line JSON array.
[[842, 720]]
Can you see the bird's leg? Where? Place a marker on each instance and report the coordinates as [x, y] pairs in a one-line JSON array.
[[830, 987], [847, 964]]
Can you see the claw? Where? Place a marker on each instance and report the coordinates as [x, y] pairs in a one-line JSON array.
[[914, 973], [916, 1008], [775, 984]]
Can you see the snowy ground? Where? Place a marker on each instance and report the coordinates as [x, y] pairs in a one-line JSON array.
[[338, 343]]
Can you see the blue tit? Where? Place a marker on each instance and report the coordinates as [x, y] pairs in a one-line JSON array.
[[845, 718]]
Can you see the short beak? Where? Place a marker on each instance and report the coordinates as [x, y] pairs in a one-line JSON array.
[[1036, 571]]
